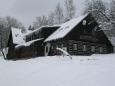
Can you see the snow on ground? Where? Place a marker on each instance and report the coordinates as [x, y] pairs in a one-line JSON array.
[[96, 70]]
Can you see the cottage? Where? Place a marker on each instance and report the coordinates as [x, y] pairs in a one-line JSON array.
[[28, 45], [79, 36]]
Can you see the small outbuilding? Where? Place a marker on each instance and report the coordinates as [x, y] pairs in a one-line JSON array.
[[21, 46], [15, 38]]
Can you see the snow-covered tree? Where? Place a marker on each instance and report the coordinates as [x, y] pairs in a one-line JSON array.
[[59, 17], [97, 8], [112, 16], [99, 11], [70, 9]]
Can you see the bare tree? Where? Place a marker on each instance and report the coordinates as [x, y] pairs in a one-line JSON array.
[[70, 9], [40, 21], [30, 28], [51, 19], [59, 17], [4, 33], [13, 22], [37, 22], [5, 26]]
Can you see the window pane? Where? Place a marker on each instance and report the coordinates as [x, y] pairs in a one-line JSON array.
[[84, 47], [75, 46], [93, 48], [101, 49]]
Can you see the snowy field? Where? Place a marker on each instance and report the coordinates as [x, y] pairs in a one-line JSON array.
[[96, 70]]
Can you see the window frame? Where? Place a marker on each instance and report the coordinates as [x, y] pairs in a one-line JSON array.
[[75, 46], [84, 48], [93, 49]]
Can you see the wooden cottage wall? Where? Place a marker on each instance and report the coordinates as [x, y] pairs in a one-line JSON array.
[[114, 49], [85, 36], [11, 47]]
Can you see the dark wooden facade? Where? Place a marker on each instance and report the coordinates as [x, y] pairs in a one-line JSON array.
[[43, 32], [35, 49], [11, 47], [83, 40]]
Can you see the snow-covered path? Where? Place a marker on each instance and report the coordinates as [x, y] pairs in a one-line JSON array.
[[97, 70]]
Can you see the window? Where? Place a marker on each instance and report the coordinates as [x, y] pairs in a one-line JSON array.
[[101, 49], [74, 46], [84, 48], [93, 32], [61, 45], [93, 48], [84, 22]]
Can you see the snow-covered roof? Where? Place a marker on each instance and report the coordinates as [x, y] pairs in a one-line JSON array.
[[28, 43], [65, 28], [17, 36], [36, 30], [112, 40]]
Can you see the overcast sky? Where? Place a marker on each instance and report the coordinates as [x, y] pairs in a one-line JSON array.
[[27, 10]]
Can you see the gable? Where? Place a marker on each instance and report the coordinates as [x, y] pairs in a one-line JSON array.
[[17, 36], [112, 39], [10, 40], [89, 32], [65, 28]]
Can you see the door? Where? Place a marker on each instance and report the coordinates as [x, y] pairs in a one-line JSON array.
[[47, 49]]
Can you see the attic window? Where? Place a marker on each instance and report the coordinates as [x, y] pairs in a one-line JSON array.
[[84, 22]]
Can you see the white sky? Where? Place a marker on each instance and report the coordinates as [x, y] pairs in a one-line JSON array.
[[27, 10]]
